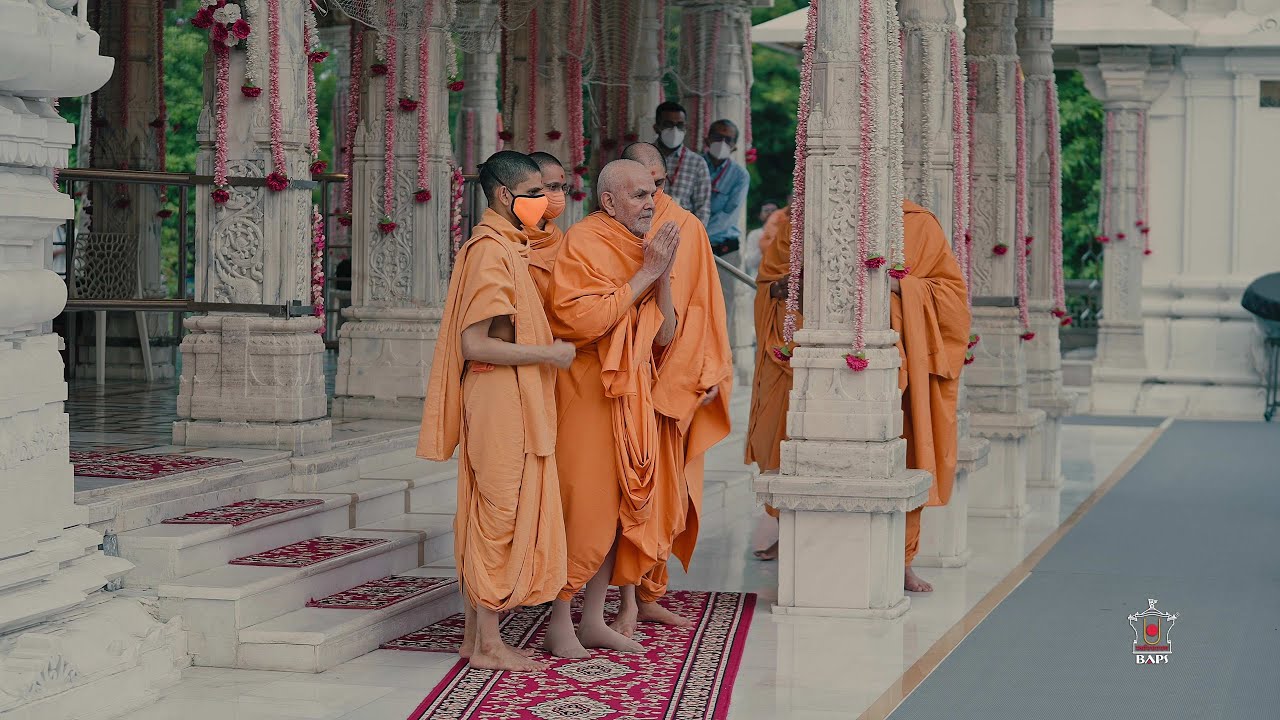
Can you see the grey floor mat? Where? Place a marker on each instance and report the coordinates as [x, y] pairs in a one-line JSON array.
[[1195, 525]]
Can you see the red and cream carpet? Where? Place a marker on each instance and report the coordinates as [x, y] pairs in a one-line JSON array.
[[685, 673], [383, 592], [308, 552], [139, 466], [243, 512]]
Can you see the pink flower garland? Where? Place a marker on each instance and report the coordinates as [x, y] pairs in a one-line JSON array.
[[279, 177], [1020, 201], [423, 193], [857, 360], [662, 39], [1055, 200], [386, 224], [1141, 223], [1104, 212], [960, 160], [313, 115], [353, 120], [573, 85], [626, 36], [456, 186], [531, 127], [798, 174], [709, 75], [748, 140], [222, 96], [317, 266]]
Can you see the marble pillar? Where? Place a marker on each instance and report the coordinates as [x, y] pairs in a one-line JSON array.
[[1044, 353], [399, 278], [1126, 80], [251, 379], [649, 68], [843, 489], [67, 648], [477, 125], [929, 168], [996, 383], [124, 137]]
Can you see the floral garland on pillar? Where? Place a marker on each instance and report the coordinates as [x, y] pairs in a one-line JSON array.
[[798, 182], [960, 161], [317, 266], [626, 44], [1108, 168], [710, 61], [531, 88], [423, 192], [456, 188], [573, 86], [748, 140], [249, 87], [311, 41], [662, 38], [161, 123], [387, 224], [279, 178], [352, 122], [1054, 133], [893, 165], [868, 133], [226, 27], [1023, 240], [1141, 223]]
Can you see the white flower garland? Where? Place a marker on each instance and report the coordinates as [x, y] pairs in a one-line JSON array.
[[252, 51], [897, 248]]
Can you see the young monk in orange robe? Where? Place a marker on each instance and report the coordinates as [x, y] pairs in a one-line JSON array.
[[491, 394], [691, 396], [546, 236], [611, 296], [929, 310], [771, 389]]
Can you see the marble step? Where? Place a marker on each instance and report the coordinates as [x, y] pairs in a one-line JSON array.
[[316, 639], [162, 553], [217, 603], [432, 486]]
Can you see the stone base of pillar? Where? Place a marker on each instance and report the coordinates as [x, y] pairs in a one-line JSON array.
[[1151, 394], [841, 542], [1120, 345], [1000, 489], [253, 381], [384, 357], [744, 348], [1045, 469], [944, 529]]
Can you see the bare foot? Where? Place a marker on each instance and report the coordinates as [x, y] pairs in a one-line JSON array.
[[655, 613], [914, 583], [625, 623], [564, 645], [601, 636], [468, 634], [503, 657], [771, 553]]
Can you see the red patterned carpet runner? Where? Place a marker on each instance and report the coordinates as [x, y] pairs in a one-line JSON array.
[[138, 466], [243, 512], [686, 673], [308, 552], [383, 592]]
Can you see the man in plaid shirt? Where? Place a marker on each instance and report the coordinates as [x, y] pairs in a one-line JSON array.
[[688, 179]]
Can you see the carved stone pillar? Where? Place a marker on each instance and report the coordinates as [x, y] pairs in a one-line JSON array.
[[997, 380], [843, 488], [1044, 353], [477, 127], [249, 379], [929, 168], [123, 138], [399, 278], [1126, 80], [649, 67], [66, 648]]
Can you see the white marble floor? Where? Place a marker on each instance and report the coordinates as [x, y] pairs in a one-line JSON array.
[[793, 668]]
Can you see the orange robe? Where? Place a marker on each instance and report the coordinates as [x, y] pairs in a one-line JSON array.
[[698, 359], [932, 321], [608, 453], [771, 389], [544, 245], [509, 530]]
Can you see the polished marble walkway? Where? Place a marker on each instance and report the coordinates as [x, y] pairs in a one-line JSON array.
[[793, 668]]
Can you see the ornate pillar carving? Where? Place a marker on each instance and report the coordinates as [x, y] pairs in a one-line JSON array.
[[250, 379], [997, 380], [843, 485], [1044, 354], [399, 278], [124, 137], [65, 646], [929, 159], [1127, 81], [477, 126]]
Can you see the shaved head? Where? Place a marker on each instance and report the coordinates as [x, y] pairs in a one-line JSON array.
[[626, 191], [647, 154]]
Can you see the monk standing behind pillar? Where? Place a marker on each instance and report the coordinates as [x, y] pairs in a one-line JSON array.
[[691, 396], [930, 312], [545, 237], [771, 389], [491, 395], [611, 296]]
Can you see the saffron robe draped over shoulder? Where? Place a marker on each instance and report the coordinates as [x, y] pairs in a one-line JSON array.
[[771, 388], [544, 245], [698, 359], [509, 529], [607, 455]]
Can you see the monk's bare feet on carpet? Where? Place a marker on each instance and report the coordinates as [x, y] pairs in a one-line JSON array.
[[914, 583], [602, 636], [655, 613], [503, 657], [468, 633], [769, 553], [560, 639], [625, 623]]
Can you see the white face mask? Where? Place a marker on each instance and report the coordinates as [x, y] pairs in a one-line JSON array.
[[720, 150], [673, 137]]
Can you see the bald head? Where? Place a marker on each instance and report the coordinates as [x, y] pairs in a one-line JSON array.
[[626, 190], [647, 154]]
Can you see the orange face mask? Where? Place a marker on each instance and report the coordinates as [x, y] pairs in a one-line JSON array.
[[555, 205], [529, 210]]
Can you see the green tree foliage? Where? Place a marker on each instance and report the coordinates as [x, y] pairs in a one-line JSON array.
[[775, 95], [1081, 120]]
